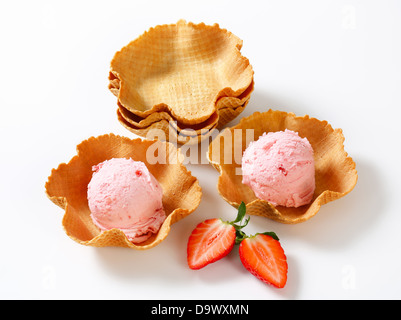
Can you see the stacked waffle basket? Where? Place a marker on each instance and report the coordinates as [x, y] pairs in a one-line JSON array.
[[180, 81]]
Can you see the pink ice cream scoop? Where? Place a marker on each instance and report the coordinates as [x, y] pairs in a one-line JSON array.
[[123, 194], [279, 168]]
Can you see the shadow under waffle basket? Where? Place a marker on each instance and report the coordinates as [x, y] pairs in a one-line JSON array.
[[185, 72], [335, 172], [67, 187]]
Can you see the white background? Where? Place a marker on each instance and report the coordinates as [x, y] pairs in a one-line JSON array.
[[334, 60]]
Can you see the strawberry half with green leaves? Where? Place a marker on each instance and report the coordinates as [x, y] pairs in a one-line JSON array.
[[213, 239], [263, 256]]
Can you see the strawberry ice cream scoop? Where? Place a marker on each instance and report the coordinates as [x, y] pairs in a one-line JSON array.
[[279, 168], [123, 194]]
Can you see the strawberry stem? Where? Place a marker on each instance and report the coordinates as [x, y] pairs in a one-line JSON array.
[[241, 235]]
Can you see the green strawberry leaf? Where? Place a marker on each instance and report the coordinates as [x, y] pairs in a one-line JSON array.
[[241, 212], [271, 234]]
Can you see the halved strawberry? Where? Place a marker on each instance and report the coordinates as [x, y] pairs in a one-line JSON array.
[[263, 256], [210, 241], [213, 239]]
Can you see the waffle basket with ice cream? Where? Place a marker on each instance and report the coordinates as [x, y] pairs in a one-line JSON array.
[[334, 171], [113, 189]]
